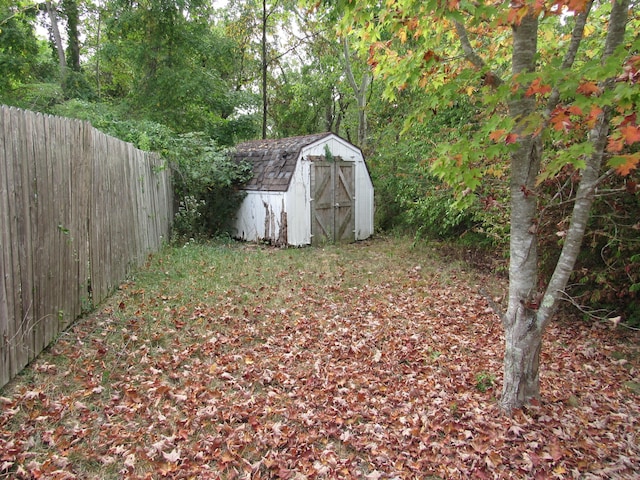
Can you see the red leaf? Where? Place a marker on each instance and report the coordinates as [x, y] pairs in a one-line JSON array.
[[537, 87], [630, 163], [511, 138], [593, 116], [615, 144], [630, 133], [430, 55], [516, 13], [588, 89], [575, 6], [496, 135], [560, 119], [575, 110]]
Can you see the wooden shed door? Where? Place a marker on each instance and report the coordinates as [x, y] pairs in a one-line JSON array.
[[332, 208]]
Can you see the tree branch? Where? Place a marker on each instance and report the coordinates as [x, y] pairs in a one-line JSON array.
[[470, 53], [590, 179], [24, 9], [576, 39]]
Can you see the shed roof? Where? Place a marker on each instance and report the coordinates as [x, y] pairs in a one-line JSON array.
[[274, 161]]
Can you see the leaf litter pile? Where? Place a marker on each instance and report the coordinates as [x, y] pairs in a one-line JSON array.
[[375, 360]]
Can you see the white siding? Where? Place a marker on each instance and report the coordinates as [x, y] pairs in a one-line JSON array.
[[260, 216], [364, 202], [298, 205]]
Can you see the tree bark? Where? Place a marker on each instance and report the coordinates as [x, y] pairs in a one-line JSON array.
[[523, 342], [360, 93], [57, 38], [70, 8], [522, 337], [264, 66], [590, 177]]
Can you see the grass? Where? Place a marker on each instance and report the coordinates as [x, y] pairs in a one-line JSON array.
[[228, 360]]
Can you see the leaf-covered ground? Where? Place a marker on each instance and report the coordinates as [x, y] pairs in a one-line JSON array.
[[375, 360]]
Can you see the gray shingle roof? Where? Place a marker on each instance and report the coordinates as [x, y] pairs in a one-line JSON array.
[[274, 161]]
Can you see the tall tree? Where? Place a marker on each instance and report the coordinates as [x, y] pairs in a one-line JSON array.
[[57, 37], [548, 105], [264, 64], [72, 14], [172, 64], [265, 30]]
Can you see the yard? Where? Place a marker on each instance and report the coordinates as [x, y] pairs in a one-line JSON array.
[[373, 360]]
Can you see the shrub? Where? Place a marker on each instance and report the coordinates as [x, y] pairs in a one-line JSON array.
[[207, 181]]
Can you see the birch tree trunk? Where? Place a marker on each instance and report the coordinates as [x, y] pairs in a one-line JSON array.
[[522, 336]]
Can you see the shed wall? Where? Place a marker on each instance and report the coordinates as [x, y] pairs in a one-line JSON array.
[[262, 217]]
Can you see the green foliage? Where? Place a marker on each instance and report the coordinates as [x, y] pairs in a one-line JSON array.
[[207, 181], [409, 197], [165, 61], [18, 44], [188, 218], [26, 63], [428, 209], [75, 85], [40, 97], [144, 134], [485, 381]]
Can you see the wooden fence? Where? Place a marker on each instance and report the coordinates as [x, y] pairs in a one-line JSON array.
[[78, 210]]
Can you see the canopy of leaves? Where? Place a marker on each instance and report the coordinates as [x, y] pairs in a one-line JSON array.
[[24, 59], [444, 51]]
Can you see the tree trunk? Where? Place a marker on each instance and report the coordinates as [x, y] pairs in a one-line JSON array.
[[523, 338], [531, 307], [360, 93], [264, 69], [521, 362], [57, 38], [98, 53], [70, 8]]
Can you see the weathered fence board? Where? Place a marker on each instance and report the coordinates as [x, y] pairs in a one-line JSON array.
[[78, 210]]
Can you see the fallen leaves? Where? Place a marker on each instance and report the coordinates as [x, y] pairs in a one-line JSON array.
[[355, 363]]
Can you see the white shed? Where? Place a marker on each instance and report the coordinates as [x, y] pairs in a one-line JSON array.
[[305, 190]]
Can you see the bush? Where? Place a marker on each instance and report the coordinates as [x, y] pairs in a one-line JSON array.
[[38, 97], [429, 211], [409, 197], [207, 181]]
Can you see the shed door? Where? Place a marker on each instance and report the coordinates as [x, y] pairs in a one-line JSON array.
[[332, 208]]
